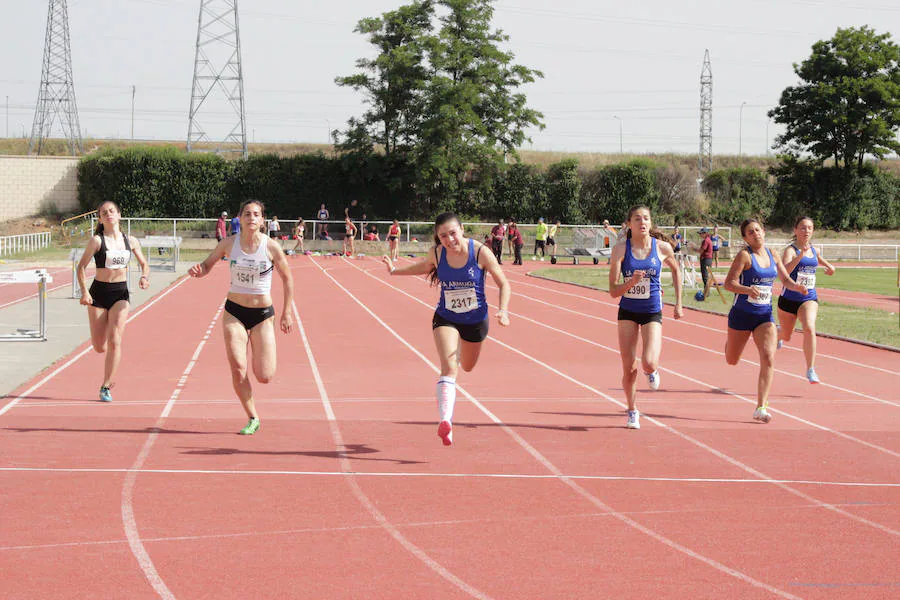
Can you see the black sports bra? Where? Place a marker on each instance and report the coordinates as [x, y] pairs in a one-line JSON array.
[[118, 259]]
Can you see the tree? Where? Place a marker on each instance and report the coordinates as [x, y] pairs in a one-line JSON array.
[[847, 104], [442, 91]]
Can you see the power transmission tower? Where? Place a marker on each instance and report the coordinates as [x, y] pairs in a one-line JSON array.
[[56, 95], [706, 90], [218, 87]]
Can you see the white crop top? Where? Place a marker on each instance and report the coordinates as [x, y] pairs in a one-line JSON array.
[[250, 273]]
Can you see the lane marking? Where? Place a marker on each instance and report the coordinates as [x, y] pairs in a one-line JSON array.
[[545, 462], [360, 495], [72, 360], [128, 519], [413, 475], [684, 436]]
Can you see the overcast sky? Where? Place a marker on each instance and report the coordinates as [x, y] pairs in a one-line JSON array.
[[639, 61]]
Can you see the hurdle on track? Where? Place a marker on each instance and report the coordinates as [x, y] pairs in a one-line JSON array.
[[42, 278]]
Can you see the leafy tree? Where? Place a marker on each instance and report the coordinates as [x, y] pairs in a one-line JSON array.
[[847, 104]]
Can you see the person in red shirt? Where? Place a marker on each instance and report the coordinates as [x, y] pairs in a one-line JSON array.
[[515, 238], [498, 232], [706, 258], [221, 232]]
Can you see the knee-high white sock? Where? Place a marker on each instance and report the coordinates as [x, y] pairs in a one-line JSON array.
[[446, 397]]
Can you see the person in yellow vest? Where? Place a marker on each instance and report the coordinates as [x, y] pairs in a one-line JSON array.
[[540, 239], [551, 238]]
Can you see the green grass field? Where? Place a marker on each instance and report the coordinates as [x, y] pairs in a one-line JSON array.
[[868, 324]]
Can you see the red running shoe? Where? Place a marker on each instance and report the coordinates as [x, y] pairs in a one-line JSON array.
[[445, 432]]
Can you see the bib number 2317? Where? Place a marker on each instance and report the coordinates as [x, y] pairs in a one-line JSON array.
[[460, 301]]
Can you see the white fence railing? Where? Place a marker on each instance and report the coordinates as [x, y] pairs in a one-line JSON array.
[[874, 252], [23, 243]]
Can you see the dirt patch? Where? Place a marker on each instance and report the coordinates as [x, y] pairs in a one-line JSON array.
[[28, 225]]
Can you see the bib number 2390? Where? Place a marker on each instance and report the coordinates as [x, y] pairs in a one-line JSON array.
[[460, 301], [640, 290]]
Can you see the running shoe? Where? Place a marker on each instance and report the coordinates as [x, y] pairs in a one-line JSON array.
[[811, 375], [634, 420], [653, 380], [779, 345], [445, 432], [251, 427], [105, 395], [761, 414]]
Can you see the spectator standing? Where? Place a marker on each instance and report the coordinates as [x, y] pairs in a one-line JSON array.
[[540, 238], [706, 258], [716, 242], [498, 233], [551, 238], [236, 225], [274, 228], [515, 237], [221, 227], [299, 232], [322, 216]]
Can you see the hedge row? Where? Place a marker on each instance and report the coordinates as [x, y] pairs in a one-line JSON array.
[[153, 182]]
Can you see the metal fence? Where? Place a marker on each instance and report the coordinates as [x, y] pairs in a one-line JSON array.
[[860, 252], [23, 243]]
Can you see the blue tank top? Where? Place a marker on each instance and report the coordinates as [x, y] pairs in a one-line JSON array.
[[462, 290], [715, 241], [805, 274], [645, 296], [761, 279]]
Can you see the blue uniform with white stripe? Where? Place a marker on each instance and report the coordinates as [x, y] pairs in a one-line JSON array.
[[645, 296], [804, 274], [715, 241], [748, 313], [462, 290]]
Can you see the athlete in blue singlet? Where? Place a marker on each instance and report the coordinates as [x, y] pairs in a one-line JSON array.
[[635, 265], [716, 240], [802, 260], [752, 273], [460, 324]]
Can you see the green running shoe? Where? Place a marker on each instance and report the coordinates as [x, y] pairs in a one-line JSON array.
[[251, 428], [105, 396]]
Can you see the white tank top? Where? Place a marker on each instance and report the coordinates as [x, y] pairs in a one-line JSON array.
[[250, 273]]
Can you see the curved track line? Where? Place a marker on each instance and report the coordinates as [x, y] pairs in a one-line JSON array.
[[690, 324], [72, 360], [708, 350], [684, 436], [545, 462], [698, 325], [354, 485], [128, 519]]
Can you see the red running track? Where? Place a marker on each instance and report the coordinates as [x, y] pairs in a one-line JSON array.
[[346, 492]]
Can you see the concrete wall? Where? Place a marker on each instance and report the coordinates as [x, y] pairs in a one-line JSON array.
[[33, 184]]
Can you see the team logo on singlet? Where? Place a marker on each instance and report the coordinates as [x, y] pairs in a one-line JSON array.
[[472, 272], [653, 261]]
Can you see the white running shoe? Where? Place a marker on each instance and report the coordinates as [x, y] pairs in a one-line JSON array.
[[812, 376], [761, 414], [653, 379], [445, 432], [779, 345], [634, 420]]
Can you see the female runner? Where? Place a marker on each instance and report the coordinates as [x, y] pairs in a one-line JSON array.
[[637, 261], [349, 234], [394, 240], [299, 234], [716, 242], [108, 299], [750, 278], [801, 260], [460, 324], [249, 314]]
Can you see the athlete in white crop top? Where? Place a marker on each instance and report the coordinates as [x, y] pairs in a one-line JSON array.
[[249, 314], [108, 299]]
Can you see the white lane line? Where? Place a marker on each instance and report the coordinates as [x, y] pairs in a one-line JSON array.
[[711, 351], [684, 436], [414, 475], [72, 360], [128, 520], [360, 495], [520, 281], [718, 354], [540, 458]]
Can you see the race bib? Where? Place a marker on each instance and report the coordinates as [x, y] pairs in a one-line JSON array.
[[765, 295], [244, 276], [640, 290], [460, 301], [117, 259], [807, 279]]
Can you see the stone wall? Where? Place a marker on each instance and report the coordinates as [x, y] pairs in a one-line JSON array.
[[31, 185]]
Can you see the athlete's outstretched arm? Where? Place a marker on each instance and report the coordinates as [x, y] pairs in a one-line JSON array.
[[201, 269], [488, 262], [279, 260], [422, 267], [668, 254]]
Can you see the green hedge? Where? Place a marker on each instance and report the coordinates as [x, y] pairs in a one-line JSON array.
[[736, 194]]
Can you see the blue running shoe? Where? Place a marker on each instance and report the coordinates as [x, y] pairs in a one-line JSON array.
[[105, 396], [811, 375]]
